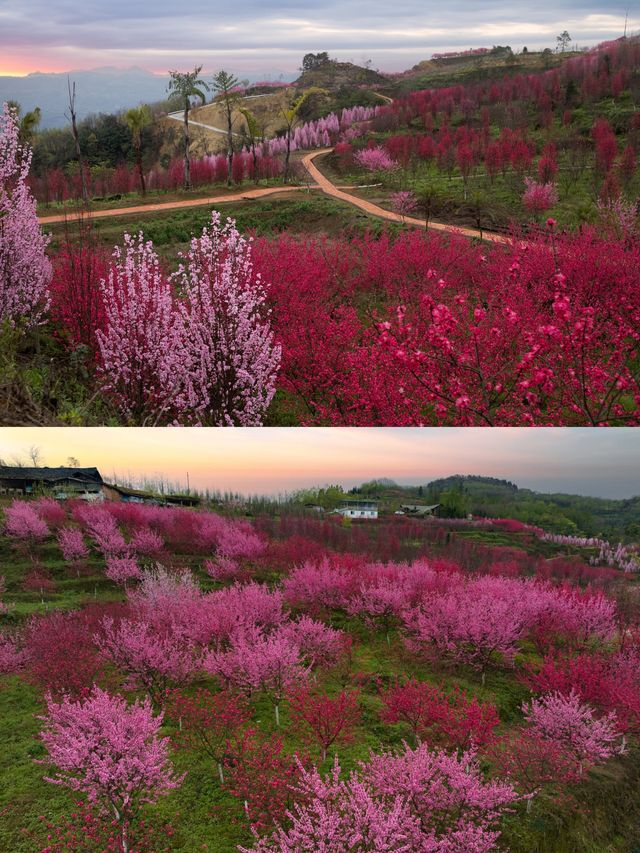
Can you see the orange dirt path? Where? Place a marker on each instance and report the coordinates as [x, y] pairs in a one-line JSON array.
[[169, 205], [330, 189]]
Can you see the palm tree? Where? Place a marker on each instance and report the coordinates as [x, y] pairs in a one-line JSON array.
[[290, 117], [28, 123], [186, 86], [137, 119], [224, 85]]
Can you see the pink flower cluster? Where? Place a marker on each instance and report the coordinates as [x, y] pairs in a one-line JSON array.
[[412, 800], [375, 160], [539, 197]]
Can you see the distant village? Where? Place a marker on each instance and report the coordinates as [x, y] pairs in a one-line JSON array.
[[87, 484]]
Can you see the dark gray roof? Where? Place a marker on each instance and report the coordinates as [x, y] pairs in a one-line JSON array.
[[9, 472], [419, 507]]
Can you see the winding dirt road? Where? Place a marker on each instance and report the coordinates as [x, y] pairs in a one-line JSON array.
[[320, 183], [180, 117], [375, 210]]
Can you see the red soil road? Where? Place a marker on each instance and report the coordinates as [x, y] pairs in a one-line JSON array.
[[168, 205], [330, 189], [321, 183]]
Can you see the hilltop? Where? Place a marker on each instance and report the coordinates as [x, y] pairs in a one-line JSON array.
[[333, 75]]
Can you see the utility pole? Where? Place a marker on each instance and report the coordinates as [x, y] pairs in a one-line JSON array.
[[188, 486]]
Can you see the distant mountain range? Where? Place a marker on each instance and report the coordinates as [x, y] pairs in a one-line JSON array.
[[101, 90]]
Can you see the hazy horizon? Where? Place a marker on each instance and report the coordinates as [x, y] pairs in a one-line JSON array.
[[269, 461], [53, 37]]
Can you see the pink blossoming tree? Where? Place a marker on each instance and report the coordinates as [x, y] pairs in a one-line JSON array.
[[229, 346], [140, 349], [254, 663], [23, 524], [414, 800], [150, 660], [74, 548], [111, 752], [25, 270], [539, 197], [572, 724], [12, 656]]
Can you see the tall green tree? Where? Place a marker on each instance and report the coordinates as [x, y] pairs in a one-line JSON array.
[[291, 116], [137, 119], [187, 85], [225, 86]]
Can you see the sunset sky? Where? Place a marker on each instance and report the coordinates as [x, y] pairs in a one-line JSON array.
[[603, 463], [62, 35]]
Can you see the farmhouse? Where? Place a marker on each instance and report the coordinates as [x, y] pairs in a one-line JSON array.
[[84, 483], [419, 510], [358, 509]]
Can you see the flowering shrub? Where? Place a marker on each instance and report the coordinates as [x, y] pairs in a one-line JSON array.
[[539, 197], [375, 160], [522, 334], [121, 570], [565, 720], [404, 202]]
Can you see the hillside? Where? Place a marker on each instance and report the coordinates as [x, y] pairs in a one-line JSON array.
[[143, 602], [474, 68], [489, 497]]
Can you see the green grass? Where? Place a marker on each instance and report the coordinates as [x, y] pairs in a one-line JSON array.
[[171, 231]]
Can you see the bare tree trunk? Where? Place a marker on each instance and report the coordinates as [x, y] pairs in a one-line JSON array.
[[124, 841], [187, 167], [229, 145], [143, 186], [76, 139], [287, 156]]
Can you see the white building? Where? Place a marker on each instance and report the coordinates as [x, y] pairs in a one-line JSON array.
[[358, 509]]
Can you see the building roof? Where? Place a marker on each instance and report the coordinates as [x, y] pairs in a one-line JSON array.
[[419, 507], [348, 502], [10, 472]]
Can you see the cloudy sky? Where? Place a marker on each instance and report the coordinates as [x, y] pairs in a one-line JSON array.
[[600, 462], [61, 35]]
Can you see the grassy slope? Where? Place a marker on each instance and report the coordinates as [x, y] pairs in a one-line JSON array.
[[206, 818], [474, 69]]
